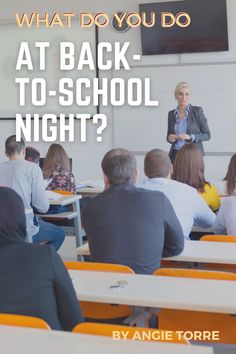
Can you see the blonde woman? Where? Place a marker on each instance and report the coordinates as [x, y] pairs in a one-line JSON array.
[[186, 123]]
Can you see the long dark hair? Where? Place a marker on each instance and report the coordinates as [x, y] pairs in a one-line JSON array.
[[56, 156], [231, 176], [189, 167]]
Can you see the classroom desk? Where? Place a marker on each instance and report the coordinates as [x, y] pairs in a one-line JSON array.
[[156, 291], [90, 191], [70, 215], [65, 200], [36, 341], [195, 251], [207, 252]]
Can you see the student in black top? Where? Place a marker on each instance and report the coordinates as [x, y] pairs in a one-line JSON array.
[[129, 225], [33, 279]]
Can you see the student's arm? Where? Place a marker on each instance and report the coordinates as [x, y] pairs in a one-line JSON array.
[[39, 197], [219, 226], [204, 216], [174, 237], [67, 304]]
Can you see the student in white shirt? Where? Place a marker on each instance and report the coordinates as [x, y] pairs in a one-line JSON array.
[[227, 186], [188, 205], [226, 218], [26, 179]]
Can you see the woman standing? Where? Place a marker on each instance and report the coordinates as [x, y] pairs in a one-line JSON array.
[[186, 123]]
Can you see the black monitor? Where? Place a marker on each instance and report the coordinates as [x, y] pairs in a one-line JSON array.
[[43, 158], [207, 32]]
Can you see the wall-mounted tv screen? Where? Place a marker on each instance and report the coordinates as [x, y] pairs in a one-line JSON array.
[[207, 31]]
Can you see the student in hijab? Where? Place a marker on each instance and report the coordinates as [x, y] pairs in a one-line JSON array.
[[33, 279]]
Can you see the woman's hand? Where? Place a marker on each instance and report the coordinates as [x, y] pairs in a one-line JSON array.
[[184, 137], [172, 138]]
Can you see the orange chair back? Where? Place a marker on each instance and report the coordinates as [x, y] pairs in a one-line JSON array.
[[22, 321], [133, 333], [100, 267], [218, 238], [178, 320], [99, 311], [195, 273]]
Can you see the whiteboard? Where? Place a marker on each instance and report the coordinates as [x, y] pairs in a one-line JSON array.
[[212, 87], [12, 35]]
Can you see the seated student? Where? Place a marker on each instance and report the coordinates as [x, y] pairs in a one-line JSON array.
[[226, 217], [31, 154], [56, 166], [129, 225], [189, 168], [228, 185], [27, 180], [33, 278], [188, 205]]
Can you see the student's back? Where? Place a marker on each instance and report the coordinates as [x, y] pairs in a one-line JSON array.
[[226, 217], [34, 282], [26, 179], [33, 278], [132, 226], [188, 205]]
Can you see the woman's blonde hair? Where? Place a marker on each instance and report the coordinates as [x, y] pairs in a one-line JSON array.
[[180, 86], [56, 156]]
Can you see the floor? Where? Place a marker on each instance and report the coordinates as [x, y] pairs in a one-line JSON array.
[[68, 249]]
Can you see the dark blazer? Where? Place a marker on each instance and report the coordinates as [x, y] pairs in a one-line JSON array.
[[133, 227], [34, 282], [197, 125]]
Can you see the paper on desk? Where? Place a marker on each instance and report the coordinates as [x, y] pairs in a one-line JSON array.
[[53, 195], [91, 183]]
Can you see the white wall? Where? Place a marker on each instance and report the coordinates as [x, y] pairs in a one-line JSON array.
[[87, 156]]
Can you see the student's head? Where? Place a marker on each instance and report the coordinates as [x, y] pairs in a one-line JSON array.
[[31, 154], [231, 176], [189, 167], [56, 156], [119, 167], [182, 93], [12, 217], [157, 164], [14, 149]]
